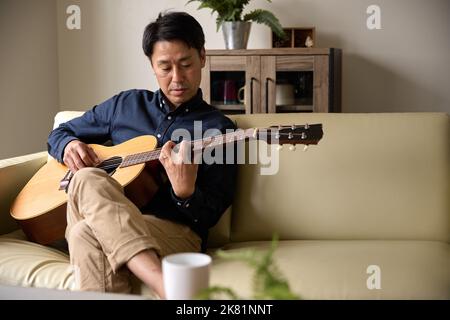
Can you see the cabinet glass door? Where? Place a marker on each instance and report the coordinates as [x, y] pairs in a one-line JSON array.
[[291, 83], [294, 91], [229, 83], [228, 90]]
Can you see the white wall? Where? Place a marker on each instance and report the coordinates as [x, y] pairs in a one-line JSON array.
[[28, 75]]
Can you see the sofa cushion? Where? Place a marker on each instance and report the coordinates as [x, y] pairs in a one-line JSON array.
[[372, 176], [14, 174], [28, 264], [339, 269]]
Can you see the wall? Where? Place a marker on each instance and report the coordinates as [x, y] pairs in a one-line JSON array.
[[405, 66], [402, 67], [28, 76]]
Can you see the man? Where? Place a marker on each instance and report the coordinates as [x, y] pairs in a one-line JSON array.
[[107, 234]]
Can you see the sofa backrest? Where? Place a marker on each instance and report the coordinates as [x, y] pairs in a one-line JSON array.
[[372, 176]]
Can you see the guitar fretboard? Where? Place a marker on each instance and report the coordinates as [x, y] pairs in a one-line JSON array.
[[196, 145]]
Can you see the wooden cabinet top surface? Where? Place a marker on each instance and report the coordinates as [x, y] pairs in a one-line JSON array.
[[270, 52]]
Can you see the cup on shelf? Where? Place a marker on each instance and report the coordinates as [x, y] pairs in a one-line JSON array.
[[241, 95], [285, 94]]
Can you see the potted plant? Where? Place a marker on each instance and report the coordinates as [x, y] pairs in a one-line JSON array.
[[235, 24]]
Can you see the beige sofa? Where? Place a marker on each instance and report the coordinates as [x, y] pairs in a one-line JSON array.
[[363, 215]]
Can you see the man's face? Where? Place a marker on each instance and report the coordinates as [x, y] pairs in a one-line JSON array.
[[178, 70]]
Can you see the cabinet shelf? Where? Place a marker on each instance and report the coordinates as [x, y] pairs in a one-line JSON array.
[[310, 78], [231, 107]]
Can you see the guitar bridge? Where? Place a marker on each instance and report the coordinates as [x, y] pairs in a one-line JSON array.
[[64, 183]]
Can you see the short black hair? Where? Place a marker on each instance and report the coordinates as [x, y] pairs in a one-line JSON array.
[[173, 26]]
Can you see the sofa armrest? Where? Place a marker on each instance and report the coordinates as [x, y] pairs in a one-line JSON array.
[[14, 174]]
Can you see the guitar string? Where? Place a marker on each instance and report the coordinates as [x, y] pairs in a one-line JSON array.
[[154, 154], [215, 141]]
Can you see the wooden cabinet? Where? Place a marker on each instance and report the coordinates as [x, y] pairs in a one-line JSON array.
[[273, 80]]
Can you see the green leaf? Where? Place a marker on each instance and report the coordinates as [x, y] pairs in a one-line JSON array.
[[208, 293], [267, 280], [267, 18]]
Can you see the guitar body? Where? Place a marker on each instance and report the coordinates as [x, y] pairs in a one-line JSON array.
[[40, 208]]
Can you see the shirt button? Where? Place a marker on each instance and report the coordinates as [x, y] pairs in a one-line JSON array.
[[179, 203], [196, 220], [158, 135], [187, 110], [169, 118], [187, 205]]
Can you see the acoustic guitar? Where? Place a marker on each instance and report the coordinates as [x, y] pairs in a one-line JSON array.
[[40, 207]]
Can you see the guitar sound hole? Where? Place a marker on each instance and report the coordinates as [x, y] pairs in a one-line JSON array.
[[110, 165]]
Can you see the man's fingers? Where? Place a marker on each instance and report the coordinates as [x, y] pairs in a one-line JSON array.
[[197, 157], [70, 164], [79, 164], [88, 156], [185, 152], [166, 151], [78, 155]]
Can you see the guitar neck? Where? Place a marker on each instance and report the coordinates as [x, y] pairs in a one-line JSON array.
[[196, 145]]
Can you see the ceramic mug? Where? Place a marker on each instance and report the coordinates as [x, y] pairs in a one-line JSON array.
[[185, 275], [285, 94], [241, 92]]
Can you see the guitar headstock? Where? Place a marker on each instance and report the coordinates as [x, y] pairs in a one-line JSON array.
[[288, 134]]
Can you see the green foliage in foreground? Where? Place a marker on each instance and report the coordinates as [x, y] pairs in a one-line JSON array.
[[268, 282]]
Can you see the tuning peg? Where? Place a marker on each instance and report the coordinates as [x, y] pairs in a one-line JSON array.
[[277, 136], [293, 127], [279, 147], [292, 147], [306, 126], [290, 135], [303, 136], [305, 148]]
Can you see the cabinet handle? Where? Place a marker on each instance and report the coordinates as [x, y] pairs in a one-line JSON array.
[[251, 94], [267, 94]]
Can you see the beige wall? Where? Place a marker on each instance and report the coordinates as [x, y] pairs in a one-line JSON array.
[[405, 66], [28, 75]]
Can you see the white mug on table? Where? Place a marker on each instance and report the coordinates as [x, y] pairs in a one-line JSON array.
[[185, 275]]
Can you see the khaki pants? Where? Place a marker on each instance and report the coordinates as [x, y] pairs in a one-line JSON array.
[[105, 230]]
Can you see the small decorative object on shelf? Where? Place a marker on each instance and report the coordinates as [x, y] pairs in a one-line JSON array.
[[295, 38], [309, 43]]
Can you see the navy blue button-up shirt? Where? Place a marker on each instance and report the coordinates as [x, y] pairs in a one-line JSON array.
[[140, 112]]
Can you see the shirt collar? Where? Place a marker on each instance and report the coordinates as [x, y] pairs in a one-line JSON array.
[[187, 106]]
